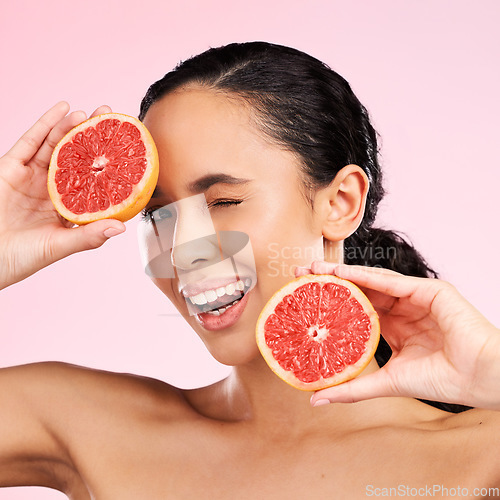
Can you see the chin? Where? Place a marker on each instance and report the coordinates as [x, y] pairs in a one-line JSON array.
[[236, 344], [232, 350]]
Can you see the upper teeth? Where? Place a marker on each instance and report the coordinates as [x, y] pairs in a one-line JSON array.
[[212, 295]]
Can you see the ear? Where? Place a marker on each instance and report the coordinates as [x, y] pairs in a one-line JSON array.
[[341, 205]]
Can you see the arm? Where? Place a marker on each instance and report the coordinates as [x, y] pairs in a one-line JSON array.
[[32, 236], [61, 423], [30, 453], [443, 348]]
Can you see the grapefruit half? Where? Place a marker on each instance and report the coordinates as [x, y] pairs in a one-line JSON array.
[[106, 167], [317, 331]]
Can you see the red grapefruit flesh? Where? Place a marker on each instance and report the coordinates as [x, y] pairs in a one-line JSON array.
[[106, 167], [318, 331]]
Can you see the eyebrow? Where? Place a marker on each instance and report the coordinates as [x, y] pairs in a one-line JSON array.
[[203, 183]]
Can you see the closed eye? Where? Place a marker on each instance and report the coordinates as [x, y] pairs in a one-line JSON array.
[[224, 203], [147, 212]]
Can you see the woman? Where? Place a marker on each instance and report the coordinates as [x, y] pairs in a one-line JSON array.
[[304, 155]]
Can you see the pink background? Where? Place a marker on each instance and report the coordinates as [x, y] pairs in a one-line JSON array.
[[427, 71]]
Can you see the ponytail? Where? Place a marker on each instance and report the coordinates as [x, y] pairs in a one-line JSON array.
[[378, 247]]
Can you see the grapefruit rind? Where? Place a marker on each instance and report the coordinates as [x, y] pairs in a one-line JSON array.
[[141, 193], [350, 371]]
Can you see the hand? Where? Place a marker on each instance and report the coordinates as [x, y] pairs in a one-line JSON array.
[[32, 233], [443, 348]]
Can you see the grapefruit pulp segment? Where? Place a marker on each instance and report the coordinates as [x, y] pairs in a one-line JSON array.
[[318, 331], [106, 167]]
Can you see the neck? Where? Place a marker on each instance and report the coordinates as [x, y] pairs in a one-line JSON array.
[[254, 394]]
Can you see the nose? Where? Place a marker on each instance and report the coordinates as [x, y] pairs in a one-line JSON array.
[[196, 254], [195, 243]]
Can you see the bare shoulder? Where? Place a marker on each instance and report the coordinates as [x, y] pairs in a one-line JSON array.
[[58, 419], [479, 431], [483, 420], [61, 389]]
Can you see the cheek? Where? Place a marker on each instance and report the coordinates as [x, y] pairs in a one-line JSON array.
[[283, 241], [167, 286]]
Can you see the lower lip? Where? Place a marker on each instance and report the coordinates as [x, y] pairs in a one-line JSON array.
[[228, 318]]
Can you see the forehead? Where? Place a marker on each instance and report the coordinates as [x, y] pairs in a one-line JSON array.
[[199, 132], [199, 126]]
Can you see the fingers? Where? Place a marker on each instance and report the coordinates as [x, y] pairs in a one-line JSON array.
[[40, 140], [382, 286], [381, 280], [27, 146], [322, 267], [100, 111], [68, 241], [370, 386], [42, 157], [302, 271], [379, 300], [433, 295]]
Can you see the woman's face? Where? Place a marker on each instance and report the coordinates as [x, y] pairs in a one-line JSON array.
[[201, 133]]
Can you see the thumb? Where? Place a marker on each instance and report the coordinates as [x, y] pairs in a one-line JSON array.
[[68, 241], [374, 385]]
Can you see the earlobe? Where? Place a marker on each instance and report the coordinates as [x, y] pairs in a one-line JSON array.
[[343, 203]]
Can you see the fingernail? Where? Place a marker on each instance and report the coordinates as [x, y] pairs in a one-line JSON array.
[[321, 402], [112, 231]]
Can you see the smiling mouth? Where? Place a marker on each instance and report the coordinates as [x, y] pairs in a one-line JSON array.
[[216, 301]]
